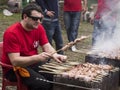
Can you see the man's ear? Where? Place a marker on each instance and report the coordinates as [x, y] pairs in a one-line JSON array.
[[25, 16]]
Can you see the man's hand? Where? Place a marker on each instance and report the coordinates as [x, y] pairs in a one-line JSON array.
[[59, 58], [92, 21], [43, 56], [50, 13]]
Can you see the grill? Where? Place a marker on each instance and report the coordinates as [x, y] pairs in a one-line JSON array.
[[102, 60], [66, 82], [102, 83], [91, 58]]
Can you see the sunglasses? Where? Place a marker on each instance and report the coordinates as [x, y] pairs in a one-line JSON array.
[[35, 18]]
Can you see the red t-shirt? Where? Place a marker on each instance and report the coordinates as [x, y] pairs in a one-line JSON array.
[[18, 40], [72, 5], [106, 7]]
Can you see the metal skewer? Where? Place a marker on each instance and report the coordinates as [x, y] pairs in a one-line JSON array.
[[68, 85]]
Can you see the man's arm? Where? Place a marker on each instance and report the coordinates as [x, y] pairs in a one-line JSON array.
[[51, 51], [48, 48], [44, 6], [23, 61], [84, 5], [94, 11]]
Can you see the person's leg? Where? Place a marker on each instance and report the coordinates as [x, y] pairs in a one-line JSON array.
[[96, 31], [46, 75], [108, 28], [75, 21], [58, 36], [34, 82], [10, 75], [67, 22], [49, 30], [99, 31]]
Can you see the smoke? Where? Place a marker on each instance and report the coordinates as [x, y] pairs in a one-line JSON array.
[[108, 43]]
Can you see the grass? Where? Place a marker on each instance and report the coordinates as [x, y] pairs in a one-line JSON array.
[[5, 21], [84, 29]]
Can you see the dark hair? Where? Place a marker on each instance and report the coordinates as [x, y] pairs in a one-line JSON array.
[[29, 8]]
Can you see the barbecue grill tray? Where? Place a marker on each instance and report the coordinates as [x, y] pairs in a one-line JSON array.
[[91, 58], [102, 60], [106, 83]]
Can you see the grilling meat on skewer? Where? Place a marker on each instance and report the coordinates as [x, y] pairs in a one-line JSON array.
[[71, 44], [67, 46], [88, 71]]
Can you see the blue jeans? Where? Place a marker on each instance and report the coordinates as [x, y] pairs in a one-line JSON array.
[[72, 21], [102, 31], [53, 31]]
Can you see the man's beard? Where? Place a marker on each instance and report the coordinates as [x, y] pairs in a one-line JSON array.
[[30, 26]]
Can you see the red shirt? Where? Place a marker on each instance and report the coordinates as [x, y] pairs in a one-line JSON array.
[[18, 40], [72, 5], [105, 7]]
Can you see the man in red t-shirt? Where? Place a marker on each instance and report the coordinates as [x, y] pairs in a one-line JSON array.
[[72, 14], [20, 44]]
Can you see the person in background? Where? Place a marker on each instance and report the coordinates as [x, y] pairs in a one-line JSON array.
[[92, 12], [72, 15], [51, 22], [13, 6], [85, 16], [104, 20], [20, 48]]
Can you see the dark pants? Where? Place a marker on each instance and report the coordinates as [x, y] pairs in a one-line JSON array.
[[103, 31], [33, 82], [53, 31]]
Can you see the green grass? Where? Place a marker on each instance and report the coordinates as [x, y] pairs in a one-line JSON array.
[[5, 21], [84, 29]]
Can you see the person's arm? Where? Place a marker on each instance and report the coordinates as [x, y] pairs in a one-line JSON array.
[[23, 61], [84, 5], [44, 6], [94, 11], [50, 50]]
